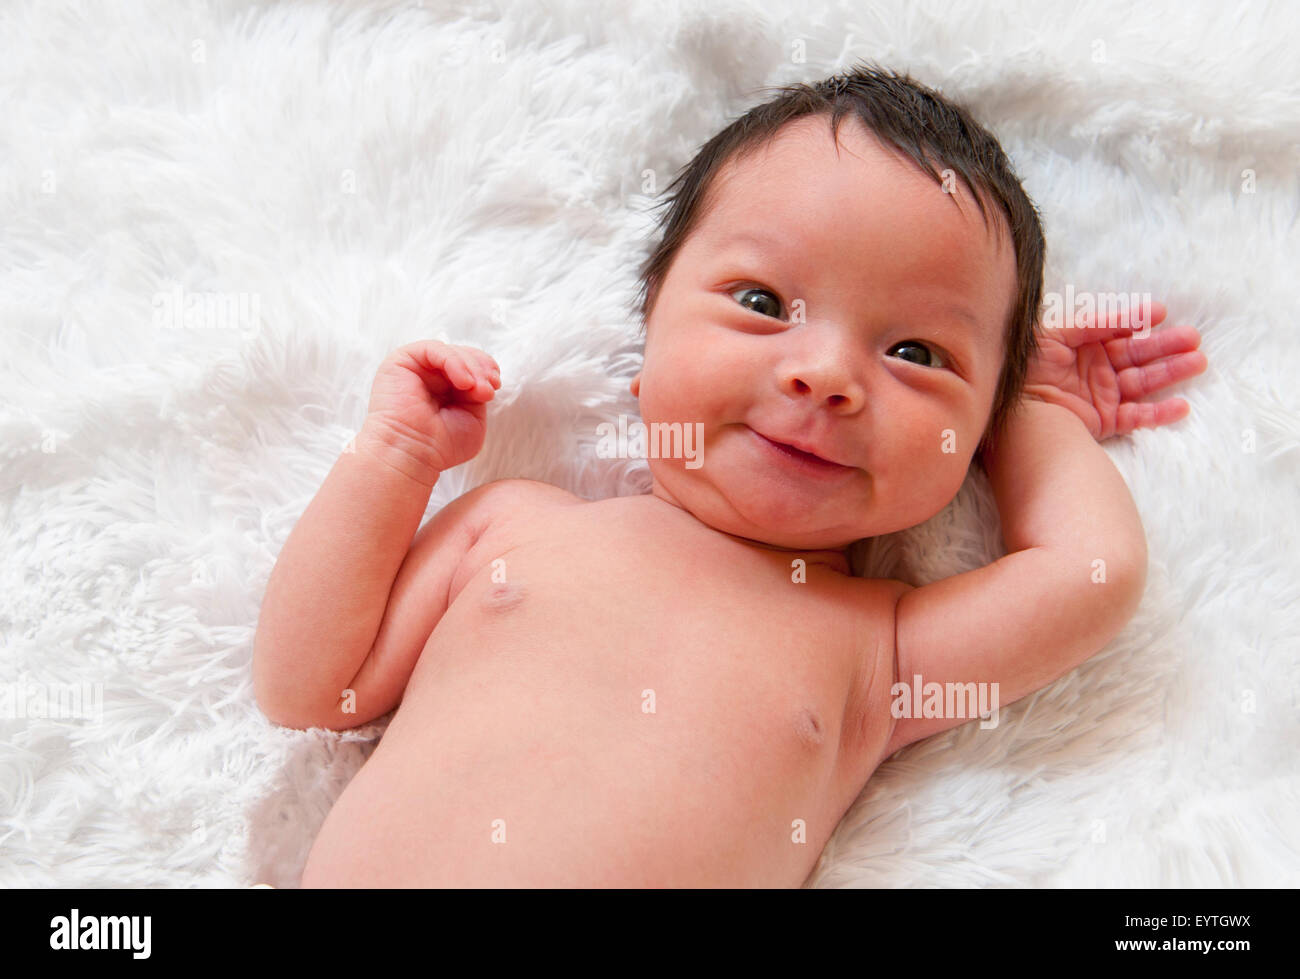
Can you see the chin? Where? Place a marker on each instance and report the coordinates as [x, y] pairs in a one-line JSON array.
[[794, 530]]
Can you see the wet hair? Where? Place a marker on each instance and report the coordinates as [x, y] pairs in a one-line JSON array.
[[925, 127]]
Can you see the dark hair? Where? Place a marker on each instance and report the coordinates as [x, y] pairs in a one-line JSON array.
[[923, 125]]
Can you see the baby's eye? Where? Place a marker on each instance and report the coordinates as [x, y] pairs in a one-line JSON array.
[[921, 354], [759, 300]]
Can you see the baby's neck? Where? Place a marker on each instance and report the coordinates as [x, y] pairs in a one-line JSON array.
[[835, 558]]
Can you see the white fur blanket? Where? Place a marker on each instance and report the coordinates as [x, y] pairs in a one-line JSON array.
[[331, 181]]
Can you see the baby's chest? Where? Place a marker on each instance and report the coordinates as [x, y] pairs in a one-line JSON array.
[[714, 649]]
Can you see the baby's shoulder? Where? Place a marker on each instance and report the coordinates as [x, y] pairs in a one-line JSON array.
[[488, 506], [496, 516], [513, 492], [504, 504]]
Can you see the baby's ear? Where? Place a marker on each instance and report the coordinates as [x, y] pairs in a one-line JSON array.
[[636, 385]]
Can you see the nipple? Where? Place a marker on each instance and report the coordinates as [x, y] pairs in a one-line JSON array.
[[503, 596], [808, 728]]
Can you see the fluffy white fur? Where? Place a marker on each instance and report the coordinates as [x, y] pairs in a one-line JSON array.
[[497, 159]]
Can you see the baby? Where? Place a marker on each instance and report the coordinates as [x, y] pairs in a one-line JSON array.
[[690, 688]]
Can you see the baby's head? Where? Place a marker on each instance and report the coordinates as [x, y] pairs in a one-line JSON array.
[[854, 268]]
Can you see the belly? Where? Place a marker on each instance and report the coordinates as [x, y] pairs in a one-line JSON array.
[[578, 733]]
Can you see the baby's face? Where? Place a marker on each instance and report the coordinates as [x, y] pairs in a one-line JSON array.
[[891, 373]]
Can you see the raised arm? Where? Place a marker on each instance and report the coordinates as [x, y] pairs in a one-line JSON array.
[[1076, 561], [328, 589], [1073, 575], [328, 593]]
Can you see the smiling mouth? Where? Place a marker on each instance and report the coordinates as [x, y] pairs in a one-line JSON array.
[[805, 461]]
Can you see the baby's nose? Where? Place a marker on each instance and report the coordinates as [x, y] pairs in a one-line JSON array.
[[827, 383]]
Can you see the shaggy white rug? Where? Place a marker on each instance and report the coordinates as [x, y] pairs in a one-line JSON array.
[[340, 179]]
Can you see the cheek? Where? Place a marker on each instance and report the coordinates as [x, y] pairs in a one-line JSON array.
[[676, 386], [932, 453], [659, 389]]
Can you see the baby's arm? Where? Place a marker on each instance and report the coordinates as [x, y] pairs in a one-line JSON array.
[[332, 591], [1031, 616], [1076, 561]]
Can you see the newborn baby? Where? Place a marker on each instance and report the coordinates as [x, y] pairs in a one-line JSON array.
[[690, 688]]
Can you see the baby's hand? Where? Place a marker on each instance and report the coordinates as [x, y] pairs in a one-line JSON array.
[[1099, 371], [429, 404]]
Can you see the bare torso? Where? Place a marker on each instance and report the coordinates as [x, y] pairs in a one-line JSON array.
[[641, 702]]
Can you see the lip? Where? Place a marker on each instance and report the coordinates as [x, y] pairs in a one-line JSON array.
[[801, 460]]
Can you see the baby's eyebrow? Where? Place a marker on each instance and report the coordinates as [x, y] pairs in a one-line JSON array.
[[732, 238], [961, 313], [956, 317]]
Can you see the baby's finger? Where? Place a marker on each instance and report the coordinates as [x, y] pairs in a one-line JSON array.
[[458, 372], [1140, 317], [490, 370], [1114, 325], [485, 359], [1084, 331], [1136, 382], [1149, 414], [429, 359], [481, 387], [485, 390], [1164, 343]]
